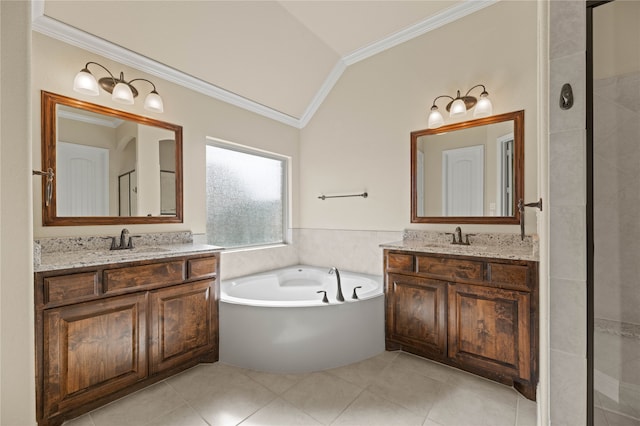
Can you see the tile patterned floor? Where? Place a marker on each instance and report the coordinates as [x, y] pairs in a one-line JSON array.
[[393, 388]]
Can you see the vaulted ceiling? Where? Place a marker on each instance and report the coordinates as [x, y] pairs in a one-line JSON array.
[[277, 58]]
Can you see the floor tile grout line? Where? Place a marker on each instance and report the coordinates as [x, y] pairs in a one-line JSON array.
[[348, 405], [188, 403]]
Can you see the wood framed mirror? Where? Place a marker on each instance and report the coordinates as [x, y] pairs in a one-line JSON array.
[[469, 172], [110, 167]]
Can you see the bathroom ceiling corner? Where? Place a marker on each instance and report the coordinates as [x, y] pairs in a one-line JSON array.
[[279, 59]]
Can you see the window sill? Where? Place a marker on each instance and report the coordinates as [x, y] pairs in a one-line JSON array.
[[253, 248]]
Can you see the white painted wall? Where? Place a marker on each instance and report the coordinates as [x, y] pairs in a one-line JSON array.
[[54, 67], [17, 390], [359, 138]]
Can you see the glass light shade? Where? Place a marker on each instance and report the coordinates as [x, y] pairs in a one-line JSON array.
[[153, 102], [122, 94], [458, 109], [86, 83], [483, 107], [435, 119]]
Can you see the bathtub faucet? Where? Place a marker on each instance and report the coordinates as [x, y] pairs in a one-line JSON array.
[[339, 297]]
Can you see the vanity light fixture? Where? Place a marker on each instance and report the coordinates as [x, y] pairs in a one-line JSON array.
[[459, 106], [122, 91]]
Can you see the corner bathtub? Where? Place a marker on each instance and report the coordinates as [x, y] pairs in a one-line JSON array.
[[276, 322]]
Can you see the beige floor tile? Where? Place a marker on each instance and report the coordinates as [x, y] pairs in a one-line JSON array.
[[411, 391], [181, 416], [84, 420], [278, 383], [206, 379], [323, 396], [429, 422], [365, 372], [231, 402], [280, 413], [488, 388], [527, 412], [422, 366], [139, 408], [457, 406], [371, 410]]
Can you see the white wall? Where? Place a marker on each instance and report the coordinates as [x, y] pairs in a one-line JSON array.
[[17, 385], [359, 138], [54, 67]]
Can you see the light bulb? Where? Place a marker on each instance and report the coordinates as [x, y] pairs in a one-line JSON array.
[[435, 118], [86, 83], [122, 94], [153, 102]]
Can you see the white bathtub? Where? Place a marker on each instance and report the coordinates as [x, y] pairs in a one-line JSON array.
[[276, 321]]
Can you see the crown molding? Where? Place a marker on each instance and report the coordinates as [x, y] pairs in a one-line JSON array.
[[447, 16], [75, 37]]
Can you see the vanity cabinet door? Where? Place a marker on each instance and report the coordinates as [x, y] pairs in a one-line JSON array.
[[416, 313], [489, 330], [92, 349], [183, 324]]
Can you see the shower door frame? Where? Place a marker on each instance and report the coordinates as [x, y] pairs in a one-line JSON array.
[[591, 4]]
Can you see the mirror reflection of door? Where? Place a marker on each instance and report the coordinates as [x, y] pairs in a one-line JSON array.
[[127, 192], [505, 175], [463, 181], [82, 181]]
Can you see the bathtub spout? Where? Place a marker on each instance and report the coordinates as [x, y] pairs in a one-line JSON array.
[[339, 296]]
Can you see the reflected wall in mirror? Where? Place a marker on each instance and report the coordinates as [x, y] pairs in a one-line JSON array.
[[469, 172], [111, 167]]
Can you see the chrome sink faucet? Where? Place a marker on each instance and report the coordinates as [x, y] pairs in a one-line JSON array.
[[339, 296]]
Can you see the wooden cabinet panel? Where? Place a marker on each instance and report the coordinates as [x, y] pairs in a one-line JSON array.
[[182, 325], [509, 276], [93, 348], [397, 262], [489, 328], [70, 288], [152, 275], [417, 312], [449, 269], [203, 267]]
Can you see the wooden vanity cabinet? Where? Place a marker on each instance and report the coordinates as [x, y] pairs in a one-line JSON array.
[[416, 314], [103, 332], [477, 314]]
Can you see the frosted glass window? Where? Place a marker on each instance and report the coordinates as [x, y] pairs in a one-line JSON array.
[[246, 197]]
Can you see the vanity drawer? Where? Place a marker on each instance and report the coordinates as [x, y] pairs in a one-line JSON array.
[[202, 267], [156, 274], [70, 288], [450, 269], [509, 276], [399, 262]]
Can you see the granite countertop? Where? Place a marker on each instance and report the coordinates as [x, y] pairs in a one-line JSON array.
[[83, 258], [78, 252], [493, 245]]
